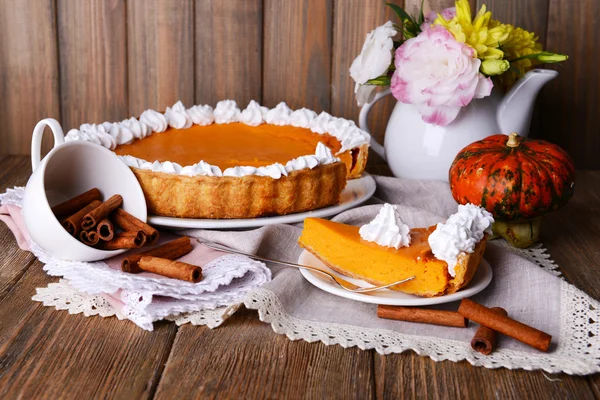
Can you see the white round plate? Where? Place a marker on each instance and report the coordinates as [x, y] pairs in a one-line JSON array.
[[357, 191], [480, 281]]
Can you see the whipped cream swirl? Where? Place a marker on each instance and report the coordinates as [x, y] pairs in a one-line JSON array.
[[227, 112], [178, 117], [254, 114], [387, 229], [302, 118], [280, 115], [201, 115], [461, 233], [156, 121]]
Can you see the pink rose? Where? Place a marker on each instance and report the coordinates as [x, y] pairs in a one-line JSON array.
[[438, 75]]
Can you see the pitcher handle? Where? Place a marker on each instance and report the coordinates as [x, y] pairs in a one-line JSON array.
[[363, 120], [36, 139]]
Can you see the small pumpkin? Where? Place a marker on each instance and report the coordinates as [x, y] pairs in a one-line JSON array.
[[514, 178]]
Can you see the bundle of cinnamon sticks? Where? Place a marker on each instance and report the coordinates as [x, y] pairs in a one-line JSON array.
[[93, 222], [106, 226], [491, 320]]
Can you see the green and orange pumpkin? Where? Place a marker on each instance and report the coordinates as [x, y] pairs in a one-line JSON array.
[[514, 178]]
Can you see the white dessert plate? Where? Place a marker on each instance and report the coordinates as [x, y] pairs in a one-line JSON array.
[[480, 281], [357, 191]]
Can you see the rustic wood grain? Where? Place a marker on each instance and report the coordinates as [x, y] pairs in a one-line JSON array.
[[228, 51], [28, 71], [352, 21], [245, 359], [93, 61], [160, 41], [569, 105], [14, 171], [52, 354], [297, 53], [406, 375]]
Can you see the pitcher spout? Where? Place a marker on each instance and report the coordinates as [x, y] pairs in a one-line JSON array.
[[514, 112]]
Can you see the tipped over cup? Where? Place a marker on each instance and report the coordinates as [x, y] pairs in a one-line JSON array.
[[68, 170]]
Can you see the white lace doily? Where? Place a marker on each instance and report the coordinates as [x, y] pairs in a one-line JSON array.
[[578, 351]]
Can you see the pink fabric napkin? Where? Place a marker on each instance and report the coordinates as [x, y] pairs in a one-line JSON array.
[[145, 297], [11, 216]]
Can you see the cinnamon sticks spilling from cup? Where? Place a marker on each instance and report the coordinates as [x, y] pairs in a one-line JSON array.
[[492, 321], [105, 225], [94, 222]]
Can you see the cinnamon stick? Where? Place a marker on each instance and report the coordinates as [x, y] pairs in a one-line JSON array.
[[422, 315], [128, 222], [171, 269], [505, 325], [484, 340], [91, 238], [73, 223], [75, 204], [125, 240], [105, 230], [170, 250], [92, 218]]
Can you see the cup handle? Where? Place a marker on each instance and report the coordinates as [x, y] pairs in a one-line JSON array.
[[36, 139], [363, 119]]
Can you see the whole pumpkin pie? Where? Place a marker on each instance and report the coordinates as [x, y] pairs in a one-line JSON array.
[[442, 258], [228, 163]]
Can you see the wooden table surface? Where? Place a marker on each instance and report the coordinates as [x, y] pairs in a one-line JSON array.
[[45, 353]]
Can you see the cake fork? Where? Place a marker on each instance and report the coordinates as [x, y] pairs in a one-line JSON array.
[[344, 284]]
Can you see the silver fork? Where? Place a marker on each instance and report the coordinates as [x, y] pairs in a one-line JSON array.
[[344, 284]]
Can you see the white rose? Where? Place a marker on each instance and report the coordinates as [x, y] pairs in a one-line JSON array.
[[373, 60]]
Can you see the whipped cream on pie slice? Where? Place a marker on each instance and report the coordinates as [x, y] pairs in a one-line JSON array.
[[461, 233], [387, 229]]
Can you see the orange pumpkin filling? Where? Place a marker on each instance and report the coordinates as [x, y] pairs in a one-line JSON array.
[[340, 247], [231, 145]]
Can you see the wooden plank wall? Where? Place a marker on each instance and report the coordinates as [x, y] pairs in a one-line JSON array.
[[91, 61]]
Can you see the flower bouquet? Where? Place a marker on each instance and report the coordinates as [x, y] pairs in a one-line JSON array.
[[443, 61]]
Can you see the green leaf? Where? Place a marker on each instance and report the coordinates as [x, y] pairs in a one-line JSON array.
[[421, 16], [411, 28], [544, 56], [382, 80]]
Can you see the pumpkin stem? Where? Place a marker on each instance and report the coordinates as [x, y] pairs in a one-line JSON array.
[[513, 140]]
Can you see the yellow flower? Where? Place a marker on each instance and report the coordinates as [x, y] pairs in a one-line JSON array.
[[519, 43], [481, 33]]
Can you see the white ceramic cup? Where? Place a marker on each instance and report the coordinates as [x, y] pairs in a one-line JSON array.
[[70, 169]]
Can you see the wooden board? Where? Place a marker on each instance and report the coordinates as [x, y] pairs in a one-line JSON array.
[[297, 53], [93, 71], [245, 359], [29, 71], [352, 21], [14, 171], [569, 105], [228, 51], [52, 354], [160, 50]]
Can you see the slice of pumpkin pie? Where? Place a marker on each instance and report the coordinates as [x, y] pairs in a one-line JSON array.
[[443, 258]]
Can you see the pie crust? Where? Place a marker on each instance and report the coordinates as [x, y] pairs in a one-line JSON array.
[[250, 197]]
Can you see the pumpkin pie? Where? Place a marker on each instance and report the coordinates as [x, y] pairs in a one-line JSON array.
[[342, 248], [227, 163]]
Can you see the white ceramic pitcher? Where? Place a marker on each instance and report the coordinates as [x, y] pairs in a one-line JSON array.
[[417, 150]]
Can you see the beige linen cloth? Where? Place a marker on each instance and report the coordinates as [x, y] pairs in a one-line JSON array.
[[525, 283], [530, 291]]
